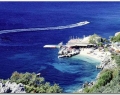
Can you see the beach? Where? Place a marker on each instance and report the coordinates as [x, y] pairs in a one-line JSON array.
[[95, 54], [24, 52], [100, 56]]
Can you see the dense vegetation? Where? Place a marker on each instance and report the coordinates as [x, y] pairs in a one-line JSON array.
[[34, 83], [116, 38], [109, 80], [93, 39], [105, 78], [96, 39]]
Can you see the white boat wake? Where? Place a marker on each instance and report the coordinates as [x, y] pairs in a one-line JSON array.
[[47, 28]]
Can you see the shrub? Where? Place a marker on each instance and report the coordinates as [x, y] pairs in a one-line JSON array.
[[105, 77], [116, 38], [117, 60], [35, 84]]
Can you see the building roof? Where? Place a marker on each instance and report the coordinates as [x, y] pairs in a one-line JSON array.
[[79, 44]]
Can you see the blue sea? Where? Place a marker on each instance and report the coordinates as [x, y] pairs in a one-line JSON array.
[[23, 51]]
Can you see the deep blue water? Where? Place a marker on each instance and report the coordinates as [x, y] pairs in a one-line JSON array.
[[24, 52]]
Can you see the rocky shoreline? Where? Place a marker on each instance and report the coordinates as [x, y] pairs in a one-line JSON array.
[[109, 65], [9, 87]]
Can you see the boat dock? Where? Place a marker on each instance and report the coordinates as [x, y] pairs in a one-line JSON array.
[[72, 47], [67, 52]]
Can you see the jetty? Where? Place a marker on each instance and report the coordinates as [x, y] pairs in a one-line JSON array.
[[67, 52], [74, 46]]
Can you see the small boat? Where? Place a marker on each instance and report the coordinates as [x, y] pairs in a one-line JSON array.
[[54, 46], [61, 56], [50, 46]]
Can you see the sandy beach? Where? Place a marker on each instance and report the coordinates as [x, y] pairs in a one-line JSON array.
[[95, 54]]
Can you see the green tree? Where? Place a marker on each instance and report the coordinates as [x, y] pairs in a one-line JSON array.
[[34, 83], [105, 78], [93, 39], [115, 38], [117, 59]]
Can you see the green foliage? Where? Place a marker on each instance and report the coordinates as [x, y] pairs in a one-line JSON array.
[[116, 38], [105, 77], [34, 83], [86, 90], [100, 44], [112, 86], [106, 49], [109, 80], [92, 39], [105, 40], [101, 82], [117, 60], [113, 56], [3, 81]]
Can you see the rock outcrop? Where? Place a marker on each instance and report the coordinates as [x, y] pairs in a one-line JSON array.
[[9, 87]]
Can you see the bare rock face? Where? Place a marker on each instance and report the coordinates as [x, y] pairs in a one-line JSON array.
[[9, 87], [117, 33]]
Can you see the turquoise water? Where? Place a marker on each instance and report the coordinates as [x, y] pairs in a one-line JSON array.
[[23, 51], [87, 59]]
